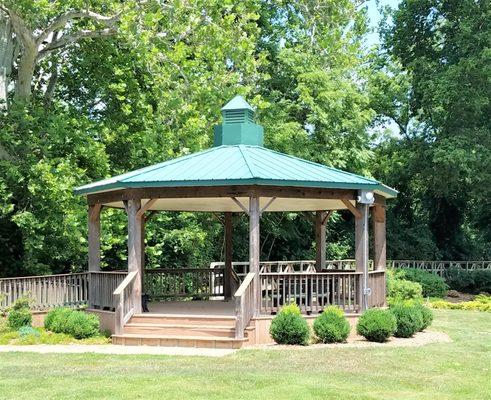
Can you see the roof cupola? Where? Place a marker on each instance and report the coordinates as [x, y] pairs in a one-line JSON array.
[[238, 126]]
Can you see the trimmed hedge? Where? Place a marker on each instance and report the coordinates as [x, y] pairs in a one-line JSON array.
[[474, 281], [289, 327], [376, 325], [78, 324], [426, 315], [432, 285], [408, 318], [332, 326]]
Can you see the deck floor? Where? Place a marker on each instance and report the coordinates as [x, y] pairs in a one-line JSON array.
[[210, 307]]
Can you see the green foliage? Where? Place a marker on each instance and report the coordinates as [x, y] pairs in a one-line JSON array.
[[289, 327], [441, 161], [409, 320], [82, 325], [400, 289], [4, 326], [468, 281], [56, 320], [480, 303], [19, 318], [426, 316], [432, 285], [20, 314], [376, 325], [77, 324], [28, 331], [332, 326]]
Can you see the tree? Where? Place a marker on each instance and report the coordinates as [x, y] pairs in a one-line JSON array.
[[29, 39], [442, 48]]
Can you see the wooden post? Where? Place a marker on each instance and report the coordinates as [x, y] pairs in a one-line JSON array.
[[361, 252], [254, 249], [142, 270], [135, 250], [320, 240], [227, 276], [94, 237], [380, 243]]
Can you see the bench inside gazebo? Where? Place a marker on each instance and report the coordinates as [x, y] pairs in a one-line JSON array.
[[230, 304]]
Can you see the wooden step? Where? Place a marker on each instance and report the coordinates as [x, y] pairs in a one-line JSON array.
[[129, 339], [167, 329], [181, 319]]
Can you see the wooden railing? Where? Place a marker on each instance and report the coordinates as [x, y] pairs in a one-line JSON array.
[[241, 268], [376, 283], [244, 305], [46, 291], [439, 267], [125, 305], [311, 291], [181, 283], [101, 288]]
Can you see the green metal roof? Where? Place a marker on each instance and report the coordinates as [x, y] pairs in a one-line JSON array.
[[238, 158], [238, 165]]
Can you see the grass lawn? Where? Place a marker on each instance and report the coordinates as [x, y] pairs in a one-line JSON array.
[[457, 370]]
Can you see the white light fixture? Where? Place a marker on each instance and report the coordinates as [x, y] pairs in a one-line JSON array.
[[366, 197]]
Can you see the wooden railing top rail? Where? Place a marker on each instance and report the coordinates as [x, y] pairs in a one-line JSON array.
[[314, 273], [171, 270], [126, 282], [43, 276], [245, 283]]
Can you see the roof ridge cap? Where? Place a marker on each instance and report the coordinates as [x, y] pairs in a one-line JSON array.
[[247, 160]]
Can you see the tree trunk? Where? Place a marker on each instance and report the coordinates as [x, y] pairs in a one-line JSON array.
[[7, 48], [27, 64]]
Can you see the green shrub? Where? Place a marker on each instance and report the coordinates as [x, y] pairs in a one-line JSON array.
[[426, 315], [399, 289], [482, 280], [78, 324], [4, 325], [459, 279], [28, 331], [19, 318], [468, 281], [480, 303], [376, 325], [332, 326], [409, 320], [56, 320], [22, 303], [289, 327], [82, 325], [432, 285]]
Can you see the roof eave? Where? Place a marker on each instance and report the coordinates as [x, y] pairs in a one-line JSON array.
[[382, 189]]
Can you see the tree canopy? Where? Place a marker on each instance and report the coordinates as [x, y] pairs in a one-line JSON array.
[[90, 89]]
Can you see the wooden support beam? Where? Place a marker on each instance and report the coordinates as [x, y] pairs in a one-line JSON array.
[[320, 240], [254, 250], [214, 215], [94, 239], [361, 253], [135, 250], [352, 208], [227, 286], [236, 191], [236, 201], [379, 237], [267, 205], [326, 218], [145, 207]]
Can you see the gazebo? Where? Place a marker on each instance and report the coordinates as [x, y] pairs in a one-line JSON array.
[[238, 175]]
